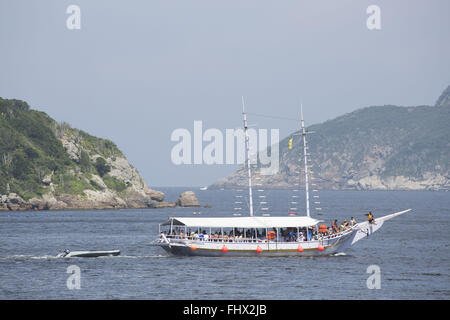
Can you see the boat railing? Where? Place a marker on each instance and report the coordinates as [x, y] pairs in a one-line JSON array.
[[182, 238], [338, 234], [239, 239], [214, 239]]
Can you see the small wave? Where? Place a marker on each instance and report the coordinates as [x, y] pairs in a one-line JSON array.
[[400, 279], [338, 254]]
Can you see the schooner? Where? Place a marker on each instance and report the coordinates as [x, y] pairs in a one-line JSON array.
[[261, 235]]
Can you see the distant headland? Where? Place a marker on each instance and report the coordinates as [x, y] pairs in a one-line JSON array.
[[46, 165], [374, 148]]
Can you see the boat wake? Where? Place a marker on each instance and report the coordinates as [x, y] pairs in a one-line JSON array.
[[145, 257], [19, 257], [26, 257]]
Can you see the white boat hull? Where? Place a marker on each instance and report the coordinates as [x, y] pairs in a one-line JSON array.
[[329, 245], [89, 254], [215, 249]]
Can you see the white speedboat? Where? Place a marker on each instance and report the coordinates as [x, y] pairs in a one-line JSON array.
[[291, 235], [87, 254]]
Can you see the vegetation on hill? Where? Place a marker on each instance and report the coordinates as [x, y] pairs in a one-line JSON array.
[[409, 141], [379, 147], [45, 165], [31, 150]]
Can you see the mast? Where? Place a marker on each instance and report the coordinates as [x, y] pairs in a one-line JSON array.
[[306, 161], [247, 159]]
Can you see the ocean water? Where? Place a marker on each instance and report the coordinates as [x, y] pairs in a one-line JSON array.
[[411, 251]]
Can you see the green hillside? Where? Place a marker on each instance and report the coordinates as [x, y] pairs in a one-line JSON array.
[[31, 149], [379, 147], [410, 141]]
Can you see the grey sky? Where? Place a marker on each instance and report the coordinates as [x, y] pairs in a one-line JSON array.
[[137, 70]]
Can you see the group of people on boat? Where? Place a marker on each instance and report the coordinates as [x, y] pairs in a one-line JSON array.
[[249, 235], [232, 235], [336, 228], [286, 235]]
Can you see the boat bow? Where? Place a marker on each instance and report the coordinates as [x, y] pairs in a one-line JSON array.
[[365, 229]]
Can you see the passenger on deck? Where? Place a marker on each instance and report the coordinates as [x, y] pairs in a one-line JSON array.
[[334, 226], [346, 225], [290, 236], [370, 218], [352, 221], [309, 234], [301, 237]]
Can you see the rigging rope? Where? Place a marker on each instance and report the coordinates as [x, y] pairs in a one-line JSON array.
[[273, 117]]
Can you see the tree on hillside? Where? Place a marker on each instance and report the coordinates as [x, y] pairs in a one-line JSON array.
[[101, 166]]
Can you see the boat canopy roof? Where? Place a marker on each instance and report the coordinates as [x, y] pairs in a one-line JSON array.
[[244, 222]]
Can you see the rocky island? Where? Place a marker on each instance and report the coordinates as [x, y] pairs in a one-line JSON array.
[[374, 148], [46, 165]]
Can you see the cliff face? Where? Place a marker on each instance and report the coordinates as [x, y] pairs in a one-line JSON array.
[[49, 165], [444, 99], [375, 148]]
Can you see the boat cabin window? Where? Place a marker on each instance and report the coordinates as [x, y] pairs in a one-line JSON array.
[[237, 234]]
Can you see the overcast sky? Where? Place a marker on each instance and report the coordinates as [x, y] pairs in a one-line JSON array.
[[137, 70]]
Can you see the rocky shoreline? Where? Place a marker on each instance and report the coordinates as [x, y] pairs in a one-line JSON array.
[[13, 202], [431, 182]]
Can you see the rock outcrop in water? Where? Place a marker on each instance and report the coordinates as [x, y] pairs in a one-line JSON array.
[[188, 199], [45, 165], [375, 148]]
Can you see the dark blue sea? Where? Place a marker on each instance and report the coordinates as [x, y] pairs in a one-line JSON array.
[[412, 253]]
